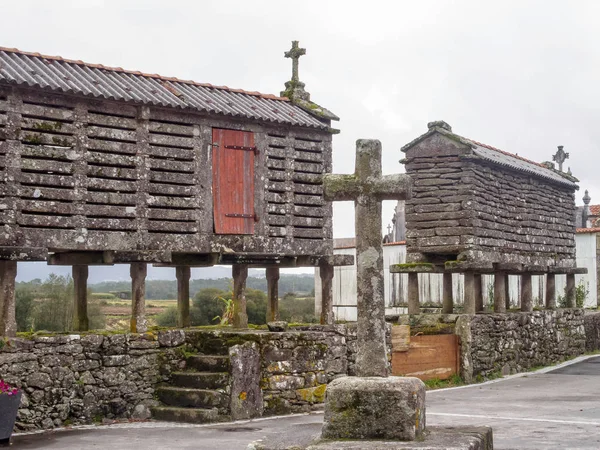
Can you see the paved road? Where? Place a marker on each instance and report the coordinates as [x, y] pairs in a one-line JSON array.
[[559, 409]]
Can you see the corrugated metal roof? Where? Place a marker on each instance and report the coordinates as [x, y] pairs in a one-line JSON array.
[[93, 80], [501, 157]]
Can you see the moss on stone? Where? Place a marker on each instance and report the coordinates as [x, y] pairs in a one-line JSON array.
[[312, 395]]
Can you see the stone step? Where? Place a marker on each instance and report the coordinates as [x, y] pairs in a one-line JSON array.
[[196, 398], [200, 380], [189, 415], [208, 363]]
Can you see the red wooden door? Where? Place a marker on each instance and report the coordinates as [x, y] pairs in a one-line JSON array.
[[233, 181]]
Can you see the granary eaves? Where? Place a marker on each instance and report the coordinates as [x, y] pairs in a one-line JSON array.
[[496, 156], [114, 83]]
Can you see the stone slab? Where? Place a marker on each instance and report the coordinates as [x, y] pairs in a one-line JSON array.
[[435, 438], [374, 408]]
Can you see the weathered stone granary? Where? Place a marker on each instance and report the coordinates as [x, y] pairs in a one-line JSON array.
[[103, 165], [477, 209]]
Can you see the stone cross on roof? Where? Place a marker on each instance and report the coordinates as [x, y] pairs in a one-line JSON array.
[[295, 53], [367, 187], [560, 156]]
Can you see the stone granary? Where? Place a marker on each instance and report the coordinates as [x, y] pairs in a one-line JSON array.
[[477, 209], [103, 165]]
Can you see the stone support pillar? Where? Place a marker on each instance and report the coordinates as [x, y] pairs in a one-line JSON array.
[[138, 272], [80, 314], [507, 287], [500, 282], [183, 274], [550, 291], [570, 291], [477, 284], [326, 274], [8, 320], [414, 306], [448, 301], [526, 293], [469, 305], [272, 274], [240, 275]]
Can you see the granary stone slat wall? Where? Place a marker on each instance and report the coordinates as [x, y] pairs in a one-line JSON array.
[[294, 188], [436, 218], [99, 175], [523, 215]]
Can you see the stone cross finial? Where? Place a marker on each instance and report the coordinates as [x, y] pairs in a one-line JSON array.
[[367, 187], [389, 228], [295, 53], [560, 157]]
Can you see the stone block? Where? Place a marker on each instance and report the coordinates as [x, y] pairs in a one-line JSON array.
[[246, 394], [375, 408], [278, 326]]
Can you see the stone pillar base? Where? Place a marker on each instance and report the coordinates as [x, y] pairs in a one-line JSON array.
[[375, 408]]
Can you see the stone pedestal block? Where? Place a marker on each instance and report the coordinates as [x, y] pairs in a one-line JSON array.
[[375, 408]]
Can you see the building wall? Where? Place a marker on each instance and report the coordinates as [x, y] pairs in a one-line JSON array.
[[100, 175], [431, 285]]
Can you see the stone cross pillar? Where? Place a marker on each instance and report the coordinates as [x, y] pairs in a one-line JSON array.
[[80, 314], [500, 281], [550, 291], [8, 321], [183, 274], [367, 187], [469, 304], [414, 306], [240, 275], [570, 291], [138, 272], [326, 274], [526, 293], [447, 301], [272, 274]]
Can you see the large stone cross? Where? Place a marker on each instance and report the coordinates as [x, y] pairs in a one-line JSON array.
[[560, 157], [295, 53], [367, 187]]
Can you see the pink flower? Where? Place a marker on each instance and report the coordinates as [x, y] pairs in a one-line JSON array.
[[7, 389]]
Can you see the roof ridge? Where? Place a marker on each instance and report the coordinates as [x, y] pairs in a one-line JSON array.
[[514, 155], [141, 74]]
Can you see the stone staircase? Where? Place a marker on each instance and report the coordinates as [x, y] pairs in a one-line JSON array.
[[197, 395]]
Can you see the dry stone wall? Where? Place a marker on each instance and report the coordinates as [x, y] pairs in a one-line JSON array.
[[77, 379], [513, 342]]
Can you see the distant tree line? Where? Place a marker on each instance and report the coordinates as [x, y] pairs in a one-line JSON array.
[[167, 289], [209, 305], [48, 305]]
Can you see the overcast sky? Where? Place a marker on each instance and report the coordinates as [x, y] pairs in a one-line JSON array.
[[519, 75]]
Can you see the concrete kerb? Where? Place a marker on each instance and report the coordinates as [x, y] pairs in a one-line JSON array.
[[161, 424], [519, 375]]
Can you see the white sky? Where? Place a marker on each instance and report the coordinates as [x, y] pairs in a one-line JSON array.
[[519, 75]]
